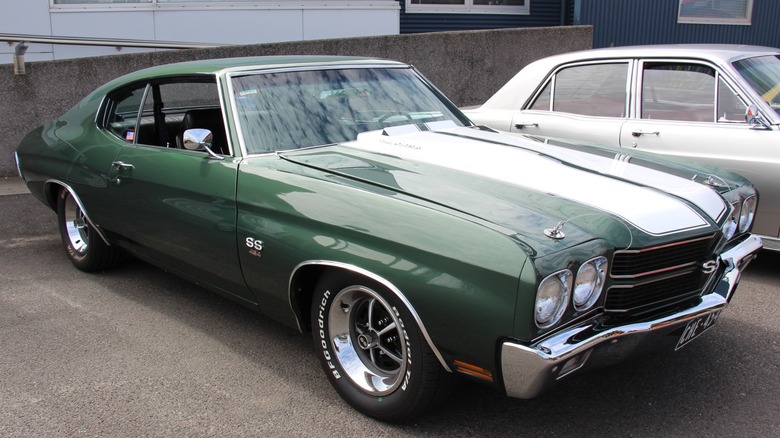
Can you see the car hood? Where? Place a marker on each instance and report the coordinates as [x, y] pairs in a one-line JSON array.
[[522, 186]]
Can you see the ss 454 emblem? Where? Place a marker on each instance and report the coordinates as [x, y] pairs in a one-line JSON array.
[[255, 246]]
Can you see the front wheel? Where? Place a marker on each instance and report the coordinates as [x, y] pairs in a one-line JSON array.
[[85, 249], [372, 350]]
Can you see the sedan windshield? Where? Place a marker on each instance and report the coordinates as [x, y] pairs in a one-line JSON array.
[[296, 109], [763, 74]]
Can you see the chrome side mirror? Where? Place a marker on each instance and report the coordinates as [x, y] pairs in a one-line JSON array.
[[200, 140], [754, 118], [197, 139]]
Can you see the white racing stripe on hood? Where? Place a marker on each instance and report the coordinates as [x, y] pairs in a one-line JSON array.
[[702, 196], [647, 209]]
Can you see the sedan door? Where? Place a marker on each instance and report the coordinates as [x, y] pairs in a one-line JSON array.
[[587, 102], [689, 110]]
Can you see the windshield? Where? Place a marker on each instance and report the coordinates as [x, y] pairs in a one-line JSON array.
[[296, 109], [763, 74]]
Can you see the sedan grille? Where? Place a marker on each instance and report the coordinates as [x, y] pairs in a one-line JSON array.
[[657, 277]]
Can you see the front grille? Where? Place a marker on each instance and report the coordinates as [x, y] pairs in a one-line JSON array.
[[649, 261], [658, 277]]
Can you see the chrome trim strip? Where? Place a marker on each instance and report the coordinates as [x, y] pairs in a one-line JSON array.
[[771, 243], [378, 279], [528, 370], [653, 248], [81, 206], [317, 65], [18, 164], [657, 271]]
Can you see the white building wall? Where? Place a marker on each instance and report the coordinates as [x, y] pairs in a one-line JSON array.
[[204, 22]]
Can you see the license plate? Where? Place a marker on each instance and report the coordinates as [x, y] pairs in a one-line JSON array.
[[696, 327]]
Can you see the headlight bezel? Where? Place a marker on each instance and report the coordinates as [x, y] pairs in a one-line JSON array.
[[563, 279], [747, 213], [600, 266], [732, 223]]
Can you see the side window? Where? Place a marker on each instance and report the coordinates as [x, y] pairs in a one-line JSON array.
[[730, 108], [589, 90], [542, 102], [121, 118], [678, 91], [173, 106], [166, 109]]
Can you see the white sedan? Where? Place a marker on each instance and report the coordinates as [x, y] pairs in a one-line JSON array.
[[716, 104]]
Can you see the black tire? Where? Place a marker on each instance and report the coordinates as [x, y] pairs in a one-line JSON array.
[[84, 247], [359, 326]]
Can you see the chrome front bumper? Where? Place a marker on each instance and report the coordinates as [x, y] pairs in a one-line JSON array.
[[529, 370]]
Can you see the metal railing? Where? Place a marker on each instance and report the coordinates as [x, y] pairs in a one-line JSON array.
[[21, 41]]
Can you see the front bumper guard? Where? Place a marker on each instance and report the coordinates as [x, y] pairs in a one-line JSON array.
[[529, 370]]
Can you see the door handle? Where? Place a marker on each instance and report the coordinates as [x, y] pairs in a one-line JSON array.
[[640, 133], [521, 125], [119, 165]]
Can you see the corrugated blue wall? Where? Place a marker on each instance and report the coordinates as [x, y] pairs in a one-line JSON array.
[[631, 22], [542, 13]]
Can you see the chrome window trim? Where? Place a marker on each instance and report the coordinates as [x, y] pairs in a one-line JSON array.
[[719, 73], [552, 79]]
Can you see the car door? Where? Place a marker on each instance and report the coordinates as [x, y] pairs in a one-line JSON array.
[[689, 109], [176, 206], [587, 102]]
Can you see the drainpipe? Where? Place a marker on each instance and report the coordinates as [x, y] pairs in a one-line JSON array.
[[19, 52]]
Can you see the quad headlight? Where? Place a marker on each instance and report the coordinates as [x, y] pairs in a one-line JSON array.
[[552, 298], [559, 289], [730, 227], [589, 283], [747, 213], [743, 212]]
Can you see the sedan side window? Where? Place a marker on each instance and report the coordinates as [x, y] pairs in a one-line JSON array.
[[678, 91], [589, 90], [731, 109]]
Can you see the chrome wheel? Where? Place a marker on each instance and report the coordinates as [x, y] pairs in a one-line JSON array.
[[368, 340], [76, 226]]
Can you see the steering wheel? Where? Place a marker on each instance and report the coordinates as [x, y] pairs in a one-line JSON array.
[[394, 113]]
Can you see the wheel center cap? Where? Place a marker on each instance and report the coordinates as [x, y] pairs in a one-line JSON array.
[[366, 340]]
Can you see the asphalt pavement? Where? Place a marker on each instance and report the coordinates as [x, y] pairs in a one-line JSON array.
[[138, 352]]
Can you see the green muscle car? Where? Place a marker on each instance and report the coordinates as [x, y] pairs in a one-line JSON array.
[[347, 197]]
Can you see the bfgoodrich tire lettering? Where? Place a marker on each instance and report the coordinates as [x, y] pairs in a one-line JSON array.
[[372, 350], [85, 249]]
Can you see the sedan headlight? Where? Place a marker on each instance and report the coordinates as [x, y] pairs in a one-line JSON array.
[[552, 298], [747, 213], [589, 283]]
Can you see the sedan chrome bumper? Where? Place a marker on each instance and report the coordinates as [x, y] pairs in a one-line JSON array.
[[529, 370]]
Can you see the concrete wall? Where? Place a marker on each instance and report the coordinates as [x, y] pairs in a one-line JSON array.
[[467, 66]]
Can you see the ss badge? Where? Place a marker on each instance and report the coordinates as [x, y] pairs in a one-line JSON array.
[[255, 246], [710, 266]]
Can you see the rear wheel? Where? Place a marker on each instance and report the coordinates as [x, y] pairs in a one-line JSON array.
[[372, 350], [85, 249]]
